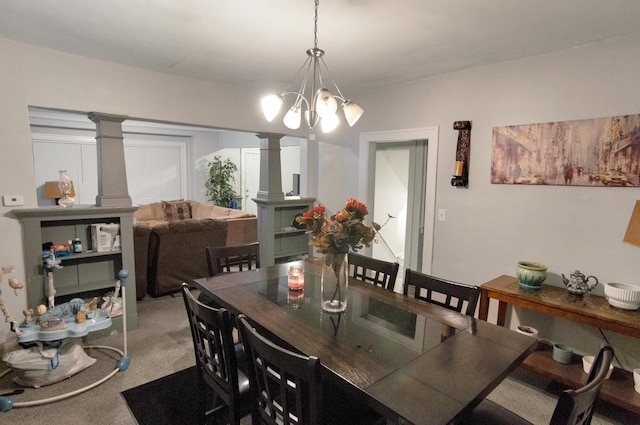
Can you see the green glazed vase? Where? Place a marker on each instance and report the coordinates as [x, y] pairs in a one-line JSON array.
[[531, 275]]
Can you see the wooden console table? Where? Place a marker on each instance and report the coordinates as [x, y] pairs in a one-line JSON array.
[[590, 310]]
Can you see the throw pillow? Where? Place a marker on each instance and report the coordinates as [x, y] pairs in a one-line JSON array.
[[176, 210]]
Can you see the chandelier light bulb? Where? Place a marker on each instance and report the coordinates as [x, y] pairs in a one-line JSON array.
[[325, 103], [292, 118], [271, 106], [329, 122], [352, 112]]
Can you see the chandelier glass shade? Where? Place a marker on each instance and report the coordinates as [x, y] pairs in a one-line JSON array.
[[313, 97]]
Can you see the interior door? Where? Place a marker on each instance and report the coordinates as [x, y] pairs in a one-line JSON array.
[[250, 179], [398, 203]]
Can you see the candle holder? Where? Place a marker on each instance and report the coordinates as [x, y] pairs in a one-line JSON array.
[[295, 298], [296, 278]]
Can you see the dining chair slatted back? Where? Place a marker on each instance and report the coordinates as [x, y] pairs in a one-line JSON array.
[[222, 259], [574, 407], [371, 270], [286, 385], [442, 292], [218, 362]]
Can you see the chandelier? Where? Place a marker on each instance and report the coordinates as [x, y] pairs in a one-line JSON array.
[[319, 104]]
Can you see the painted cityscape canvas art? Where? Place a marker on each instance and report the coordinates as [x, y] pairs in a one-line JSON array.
[[592, 152]]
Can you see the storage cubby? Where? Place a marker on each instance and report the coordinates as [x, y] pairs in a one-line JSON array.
[[86, 274], [279, 240]]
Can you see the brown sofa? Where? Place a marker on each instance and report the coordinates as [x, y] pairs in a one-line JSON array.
[[170, 240]]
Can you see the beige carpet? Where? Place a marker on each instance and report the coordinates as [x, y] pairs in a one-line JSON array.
[[162, 345]]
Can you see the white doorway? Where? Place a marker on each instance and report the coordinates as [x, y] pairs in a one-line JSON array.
[[421, 188], [250, 179], [398, 203]]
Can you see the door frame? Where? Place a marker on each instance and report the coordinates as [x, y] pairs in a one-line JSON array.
[[366, 161]]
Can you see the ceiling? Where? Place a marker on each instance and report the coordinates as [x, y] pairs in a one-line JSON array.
[[262, 43]]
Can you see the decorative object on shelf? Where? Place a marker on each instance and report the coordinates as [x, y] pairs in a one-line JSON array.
[[527, 330], [461, 172], [562, 353], [65, 186], [622, 295], [295, 280], [321, 105], [77, 246], [531, 274], [52, 190], [578, 283], [587, 364], [592, 152], [334, 237], [220, 182]]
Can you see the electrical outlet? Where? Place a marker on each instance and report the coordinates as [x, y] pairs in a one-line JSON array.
[[442, 214], [12, 200]]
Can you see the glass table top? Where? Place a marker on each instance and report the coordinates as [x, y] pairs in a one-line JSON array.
[[389, 333]]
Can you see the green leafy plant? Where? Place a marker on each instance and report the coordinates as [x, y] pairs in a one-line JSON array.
[[219, 185]]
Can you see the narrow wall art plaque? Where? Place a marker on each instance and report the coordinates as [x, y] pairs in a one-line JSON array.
[[593, 152]]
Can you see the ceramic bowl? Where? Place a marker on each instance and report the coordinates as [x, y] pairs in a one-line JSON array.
[[527, 330], [587, 363], [623, 295], [531, 274]]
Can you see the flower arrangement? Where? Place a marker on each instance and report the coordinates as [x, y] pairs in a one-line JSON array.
[[334, 237], [341, 232]]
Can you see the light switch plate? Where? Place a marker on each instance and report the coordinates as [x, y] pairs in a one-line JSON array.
[[12, 200]]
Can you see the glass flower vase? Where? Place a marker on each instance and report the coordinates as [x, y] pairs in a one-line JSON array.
[[334, 283]]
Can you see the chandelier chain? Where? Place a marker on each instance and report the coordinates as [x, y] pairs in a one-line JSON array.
[[315, 25]]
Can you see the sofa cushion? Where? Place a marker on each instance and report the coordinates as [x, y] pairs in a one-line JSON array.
[[147, 212], [203, 210], [176, 210]]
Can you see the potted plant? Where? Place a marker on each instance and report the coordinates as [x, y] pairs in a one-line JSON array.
[[220, 189]]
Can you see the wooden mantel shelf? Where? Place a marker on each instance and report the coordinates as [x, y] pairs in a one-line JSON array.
[[590, 310]]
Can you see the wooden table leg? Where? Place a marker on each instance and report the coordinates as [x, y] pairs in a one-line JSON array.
[[483, 311], [502, 313]]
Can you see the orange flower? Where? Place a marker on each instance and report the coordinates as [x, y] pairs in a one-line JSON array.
[[342, 215], [341, 233]]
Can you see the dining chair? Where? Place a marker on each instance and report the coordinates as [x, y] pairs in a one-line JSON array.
[[442, 292], [289, 389], [220, 364], [371, 270], [574, 407], [233, 258]]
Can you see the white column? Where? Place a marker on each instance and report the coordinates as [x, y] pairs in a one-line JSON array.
[[270, 188], [112, 175]]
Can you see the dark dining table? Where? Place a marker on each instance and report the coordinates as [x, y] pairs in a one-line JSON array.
[[413, 362]]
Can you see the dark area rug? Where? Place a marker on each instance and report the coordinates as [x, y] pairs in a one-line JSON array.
[[170, 400]]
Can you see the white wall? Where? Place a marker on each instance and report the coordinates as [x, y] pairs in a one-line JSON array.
[[488, 228]]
